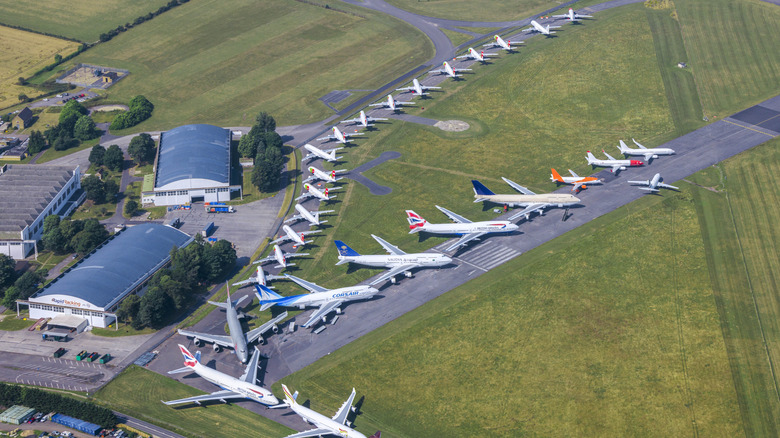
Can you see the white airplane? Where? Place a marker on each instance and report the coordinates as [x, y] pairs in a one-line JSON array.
[[500, 43], [417, 89], [449, 71], [315, 152], [649, 154], [654, 184], [317, 174], [340, 136], [312, 216], [579, 182], [363, 119], [296, 238], [391, 103], [259, 278], [243, 387], [237, 340], [326, 299], [530, 200], [536, 27], [572, 16], [476, 56], [314, 192], [616, 165], [462, 226], [280, 258], [397, 260], [337, 425]]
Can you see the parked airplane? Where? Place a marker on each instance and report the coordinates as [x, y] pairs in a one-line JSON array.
[[476, 56], [339, 136], [337, 425], [462, 226], [536, 27], [654, 184], [530, 200], [237, 340], [314, 192], [296, 238], [317, 174], [278, 256], [578, 181], [572, 16], [397, 260], [449, 71], [328, 300], [244, 387], [417, 89], [363, 120], [649, 154], [391, 103], [315, 152], [616, 165], [259, 278], [500, 43], [312, 216]]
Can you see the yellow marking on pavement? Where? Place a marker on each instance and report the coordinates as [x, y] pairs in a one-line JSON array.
[[747, 127]]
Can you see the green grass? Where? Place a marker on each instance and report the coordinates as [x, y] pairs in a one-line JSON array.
[[11, 323], [457, 38], [48, 260], [485, 10], [124, 330], [51, 154], [137, 392]]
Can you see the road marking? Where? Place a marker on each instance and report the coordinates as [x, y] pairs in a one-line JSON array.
[[471, 264], [747, 127]]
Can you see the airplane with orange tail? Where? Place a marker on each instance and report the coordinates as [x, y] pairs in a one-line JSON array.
[[579, 182]]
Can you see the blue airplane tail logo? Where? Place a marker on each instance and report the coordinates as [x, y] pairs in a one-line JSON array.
[[480, 188], [344, 250]]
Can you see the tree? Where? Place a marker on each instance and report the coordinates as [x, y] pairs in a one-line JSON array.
[[218, 259], [7, 271], [139, 110], [265, 122], [142, 148], [96, 190], [84, 242], [24, 287], [111, 188], [36, 143], [23, 97], [70, 228], [71, 109], [57, 58], [247, 146], [131, 207], [54, 240], [129, 308], [154, 306], [96, 155], [85, 129], [273, 140], [114, 158], [50, 222], [267, 172]]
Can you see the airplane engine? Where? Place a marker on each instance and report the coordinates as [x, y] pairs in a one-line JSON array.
[[275, 329], [655, 156], [348, 423], [408, 274], [393, 280], [338, 310], [301, 307], [197, 342], [217, 348], [260, 340]]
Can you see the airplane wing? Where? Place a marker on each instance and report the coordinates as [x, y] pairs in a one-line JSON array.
[[461, 69], [453, 216], [644, 183], [667, 186], [392, 249], [306, 233], [343, 412], [351, 121], [561, 16], [311, 433], [322, 311], [441, 70], [405, 89], [255, 333], [518, 187], [352, 134], [375, 119], [528, 210], [648, 189], [379, 104], [555, 27], [616, 168], [648, 157], [249, 281], [224, 341], [465, 240], [573, 174], [491, 44], [330, 137], [250, 373], [270, 258], [577, 186], [311, 287], [285, 237], [392, 273], [398, 102], [219, 395]]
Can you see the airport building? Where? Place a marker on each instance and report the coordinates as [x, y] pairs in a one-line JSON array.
[[29, 193], [94, 288], [192, 165]]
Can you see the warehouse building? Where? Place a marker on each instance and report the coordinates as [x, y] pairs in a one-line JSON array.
[[193, 164]]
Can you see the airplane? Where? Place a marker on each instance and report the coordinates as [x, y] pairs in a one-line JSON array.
[[317, 174], [616, 165], [363, 120], [418, 89], [500, 43], [572, 16], [296, 238], [392, 103], [476, 56], [244, 387], [649, 154], [340, 136], [462, 226], [328, 300], [312, 216], [259, 278], [237, 340], [314, 192], [541, 29], [530, 200], [279, 257], [449, 71], [578, 181], [654, 184], [315, 152], [397, 260], [337, 425]]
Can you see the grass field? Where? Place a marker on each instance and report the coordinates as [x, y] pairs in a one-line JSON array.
[[485, 10]]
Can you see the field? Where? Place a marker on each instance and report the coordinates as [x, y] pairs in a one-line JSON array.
[[277, 56], [486, 10]]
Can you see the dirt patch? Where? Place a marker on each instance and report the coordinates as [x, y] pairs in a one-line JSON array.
[[452, 125], [109, 108]]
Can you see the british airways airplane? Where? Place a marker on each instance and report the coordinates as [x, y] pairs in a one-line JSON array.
[[462, 226]]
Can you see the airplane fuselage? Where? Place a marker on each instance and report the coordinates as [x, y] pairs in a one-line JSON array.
[[539, 28], [324, 422], [292, 235], [389, 261], [351, 293], [319, 153], [230, 383], [616, 163], [474, 227], [237, 334], [307, 214], [579, 179], [316, 192], [513, 200], [328, 177], [644, 152]]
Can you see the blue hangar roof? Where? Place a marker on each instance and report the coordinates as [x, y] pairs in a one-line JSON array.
[[119, 266], [194, 152]]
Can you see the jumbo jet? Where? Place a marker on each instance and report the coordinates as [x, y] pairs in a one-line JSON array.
[[339, 136], [326, 299], [244, 387], [616, 165], [336, 426], [317, 174], [417, 88], [312, 216], [237, 340], [579, 182], [315, 152], [363, 119], [649, 154], [391, 103], [654, 184], [298, 239], [397, 260], [449, 70], [314, 192], [259, 278], [530, 200], [280, 257], [462, 226], [572, 16], [476, 56], [541, 29], [500, 43]]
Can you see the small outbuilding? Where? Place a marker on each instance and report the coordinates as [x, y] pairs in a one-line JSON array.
[[23, 119]]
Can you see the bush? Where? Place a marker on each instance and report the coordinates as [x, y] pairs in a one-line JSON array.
[[139, 110]]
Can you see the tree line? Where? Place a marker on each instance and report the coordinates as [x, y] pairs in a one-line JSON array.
[[139, 109], [45, 401], [264, 145], [17, 287], [74, 126], [106, 36]]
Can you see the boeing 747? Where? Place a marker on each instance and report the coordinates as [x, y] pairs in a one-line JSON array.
[[528, 199], [259, 278], [337, 426], [462, 226]]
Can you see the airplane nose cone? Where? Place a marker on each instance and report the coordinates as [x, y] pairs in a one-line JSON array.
[[513, 227], [446, 259], [271, 399]]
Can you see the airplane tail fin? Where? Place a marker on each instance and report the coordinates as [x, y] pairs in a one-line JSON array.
[[480, 188], [344, 250], [416, 222], [591, 158], [189, 359], [555, 176], [378, 434], [288, 397], [265, 294], [623, 148]]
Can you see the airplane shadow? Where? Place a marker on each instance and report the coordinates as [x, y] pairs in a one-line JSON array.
[[352, 416]]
